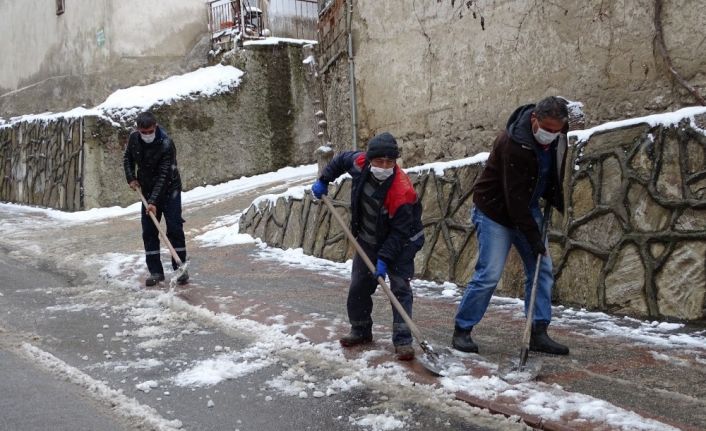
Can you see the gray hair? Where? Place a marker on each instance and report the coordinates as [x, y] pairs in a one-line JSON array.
[[553, 107]]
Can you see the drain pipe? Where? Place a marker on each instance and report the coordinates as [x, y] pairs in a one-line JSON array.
[[351, 74]]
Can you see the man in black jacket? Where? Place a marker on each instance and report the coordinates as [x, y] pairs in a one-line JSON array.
[[386, 218], [153, 152], [526, 163]]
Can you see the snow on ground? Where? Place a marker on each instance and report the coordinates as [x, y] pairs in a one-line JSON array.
[[125, 405], [382, 422], [198, 194], [156, 314], [661, 334]]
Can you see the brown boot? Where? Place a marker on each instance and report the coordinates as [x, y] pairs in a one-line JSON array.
[[404, 352]]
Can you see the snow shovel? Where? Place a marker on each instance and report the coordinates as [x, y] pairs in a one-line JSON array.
[[181, 265], [524, 368], [433, 361]]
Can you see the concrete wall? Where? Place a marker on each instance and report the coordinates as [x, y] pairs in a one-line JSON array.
[[56, 62], [266, 123], [429, 72], [632, 240]]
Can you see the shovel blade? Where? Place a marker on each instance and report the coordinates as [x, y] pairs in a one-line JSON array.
[[177, 273], [511, 370], [438, 362]]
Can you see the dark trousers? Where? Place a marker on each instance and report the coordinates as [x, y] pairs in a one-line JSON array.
[[170, 207], [360, 301]]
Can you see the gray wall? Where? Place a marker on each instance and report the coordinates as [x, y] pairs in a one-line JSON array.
[[56, 62], [430, 74]]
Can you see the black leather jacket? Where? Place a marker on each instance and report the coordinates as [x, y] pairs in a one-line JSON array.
[[156, 165]]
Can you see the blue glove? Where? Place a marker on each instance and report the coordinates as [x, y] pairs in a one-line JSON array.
[[319, 189], [380, 269]]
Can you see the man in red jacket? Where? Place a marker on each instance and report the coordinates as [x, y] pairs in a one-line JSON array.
[[386, 218], [526, 163]]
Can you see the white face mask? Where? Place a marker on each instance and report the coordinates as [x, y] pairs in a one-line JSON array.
[[544, 137], [380, 173], [148, 138]]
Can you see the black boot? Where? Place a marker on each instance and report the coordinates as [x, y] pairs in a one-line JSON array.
[[357, 336], [154, 279], [462, 340], [540, 341]]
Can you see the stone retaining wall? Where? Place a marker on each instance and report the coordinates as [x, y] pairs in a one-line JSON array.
[[264, 124], [632, 241]]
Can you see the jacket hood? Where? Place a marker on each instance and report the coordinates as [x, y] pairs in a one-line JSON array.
[[519, 126]]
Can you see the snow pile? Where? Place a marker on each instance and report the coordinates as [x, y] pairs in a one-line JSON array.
[[224, 367], [207, 81], [278, 40], [666, 119], [440, 167], [224, 232], [126, 103], [382, 422]]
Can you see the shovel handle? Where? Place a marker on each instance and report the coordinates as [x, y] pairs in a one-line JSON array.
[[159, 228], [413, 328], [533, 295]]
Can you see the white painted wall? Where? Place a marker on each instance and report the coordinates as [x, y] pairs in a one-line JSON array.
[[37, 45]]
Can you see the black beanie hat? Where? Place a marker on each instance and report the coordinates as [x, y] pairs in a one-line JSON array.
[[382, 145]]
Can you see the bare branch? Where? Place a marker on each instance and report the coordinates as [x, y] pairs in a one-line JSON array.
[[659, 41]]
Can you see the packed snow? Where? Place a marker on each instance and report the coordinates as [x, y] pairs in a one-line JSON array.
[[124, 104], [666, 119], [277, 40]]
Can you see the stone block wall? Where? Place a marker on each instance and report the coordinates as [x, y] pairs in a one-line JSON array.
[[41, 163], [632, 240], [443, 76]]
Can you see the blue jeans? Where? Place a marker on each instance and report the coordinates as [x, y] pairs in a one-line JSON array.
[[360, 301], [494, 242], [170, 206]]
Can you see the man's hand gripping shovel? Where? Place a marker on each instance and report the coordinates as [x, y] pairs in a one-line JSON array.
[[181, 265], [435, 361]]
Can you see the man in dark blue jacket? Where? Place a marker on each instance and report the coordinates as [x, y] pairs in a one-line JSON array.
[[526, 163], [386, 218], [153, 152]]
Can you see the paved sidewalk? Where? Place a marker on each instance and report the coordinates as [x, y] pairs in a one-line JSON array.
[[664, 384], [657, 378]]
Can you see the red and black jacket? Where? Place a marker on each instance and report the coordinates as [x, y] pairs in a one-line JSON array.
[[399, 230]]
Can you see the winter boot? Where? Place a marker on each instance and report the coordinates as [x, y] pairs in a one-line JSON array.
[[462, 340], [183, 278], [540, 341], [405, 352], [357, 336], [154, 279]]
